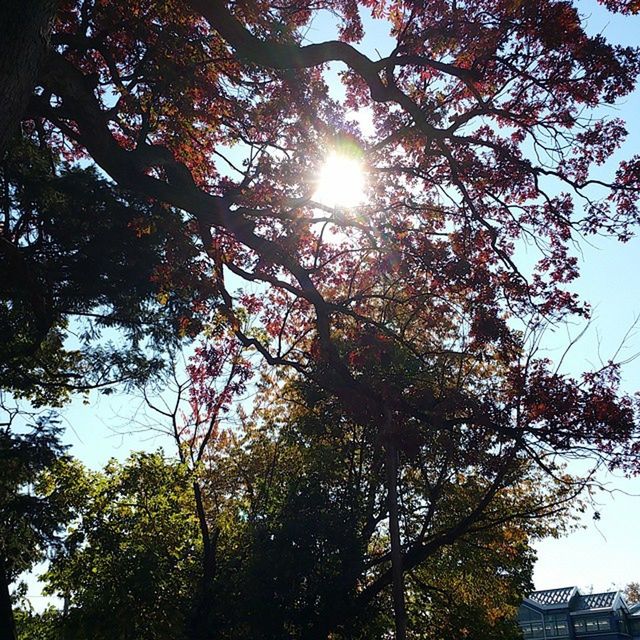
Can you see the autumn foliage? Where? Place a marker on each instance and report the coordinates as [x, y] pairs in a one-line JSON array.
[[414, 311]]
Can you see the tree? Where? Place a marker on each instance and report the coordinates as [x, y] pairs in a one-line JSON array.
[[474, 588], [297, 497], [191, 411], [129, 566], [319, 490], [38, 626], [82, 258], [296, 494], [26, 28], [32, 512], [479, 113], [632, 593]]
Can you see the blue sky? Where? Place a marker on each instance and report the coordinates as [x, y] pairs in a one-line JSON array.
[[605, 553]]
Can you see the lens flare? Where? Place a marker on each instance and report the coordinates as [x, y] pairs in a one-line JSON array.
[[341, 182]]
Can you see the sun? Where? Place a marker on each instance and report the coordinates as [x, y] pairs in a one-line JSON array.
[[341, 182]]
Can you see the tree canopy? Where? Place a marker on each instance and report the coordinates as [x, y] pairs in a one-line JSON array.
[[129, 564], [478, 112], [164, 185], [297, 500], [33, 512]]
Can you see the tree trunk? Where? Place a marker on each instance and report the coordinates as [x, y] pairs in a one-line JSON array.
[[25, 26], [7, 623], [201, 613], [397, 585]]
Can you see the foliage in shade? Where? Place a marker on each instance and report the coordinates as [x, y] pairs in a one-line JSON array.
[[297, 498], [83, 258], [32, 511], [39, 626]]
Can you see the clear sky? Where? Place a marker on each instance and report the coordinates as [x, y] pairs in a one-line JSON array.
[[604, 553]]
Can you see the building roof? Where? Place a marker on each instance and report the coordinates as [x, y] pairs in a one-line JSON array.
[[596, 601], [553, 597], [571, 598]]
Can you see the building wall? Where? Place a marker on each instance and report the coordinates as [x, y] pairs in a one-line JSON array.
[[563, 623]]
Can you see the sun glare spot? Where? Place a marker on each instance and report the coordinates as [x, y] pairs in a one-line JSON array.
[[341, 182]]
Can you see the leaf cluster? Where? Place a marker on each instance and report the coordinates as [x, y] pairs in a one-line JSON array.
[[85, 260]]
